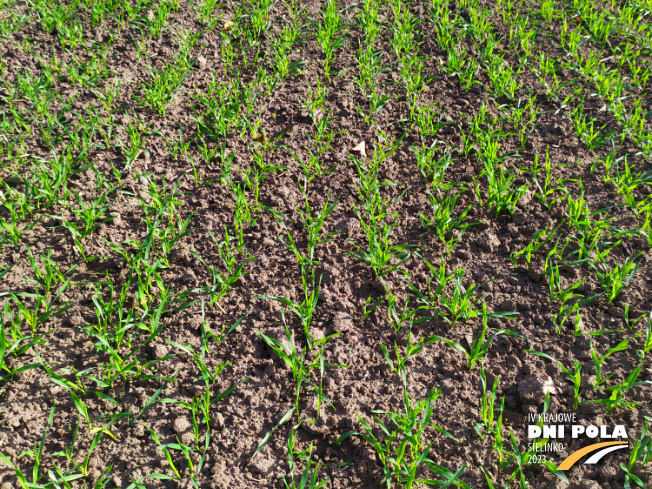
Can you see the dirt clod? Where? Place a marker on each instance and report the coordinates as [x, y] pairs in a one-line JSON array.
[[181, 424], [533, 389]]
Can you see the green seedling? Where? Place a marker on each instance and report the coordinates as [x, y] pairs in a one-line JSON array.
[[559, 293], [92, 215], [546, 186], [209, 377], [500, 193], [207, 333], [403, 450], [61, 479], [405, 317], [58, 480], [599, 360], [138, 133], [479, 346], [11, 232], [538, 240], [615, 279], [37, 452], [314, 224], [432, 169], [370, 306], [487, 405], [156, 25], [443, 222], [377, 101], [233, 267], [199, 408], [573, 375], [13, 344], [284, 419], [587, 130], [330, 35], [300, 366], [50, 275], [411, 350], [369, 63], [521, 461], [125, 365], [288, 37], [259, 14], [43, 308], [459, 303], [428, 120], [150, 401], [631, 322], [104, 479], [381, 254], [164, 449], [304, 310], [641, 454], [83, 466], [487, 414], [618, 392], [109, 96], [309, 477], [647, 342]]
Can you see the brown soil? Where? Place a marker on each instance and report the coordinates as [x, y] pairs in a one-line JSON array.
[[244, 417]]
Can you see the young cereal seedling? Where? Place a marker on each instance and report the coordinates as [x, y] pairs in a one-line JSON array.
[[160, 92], [380, 254], [460, 303], [573, 375], [301, 366], [433, 169], [487, 410], [479, 346], [443, 222], [406, 317], [309, 478], [13, 344], [618, 392], [615, 279], [522, 460], [224, 281], [500, 193], [559, 293], [599, 360], [538, 240], [411, 350], [305, 309], [402, 448], [647, 341], [546, 186], [57, 478], [641, 454], [330, 34]]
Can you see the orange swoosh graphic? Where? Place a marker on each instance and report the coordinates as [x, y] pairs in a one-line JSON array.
[[574, 457]]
